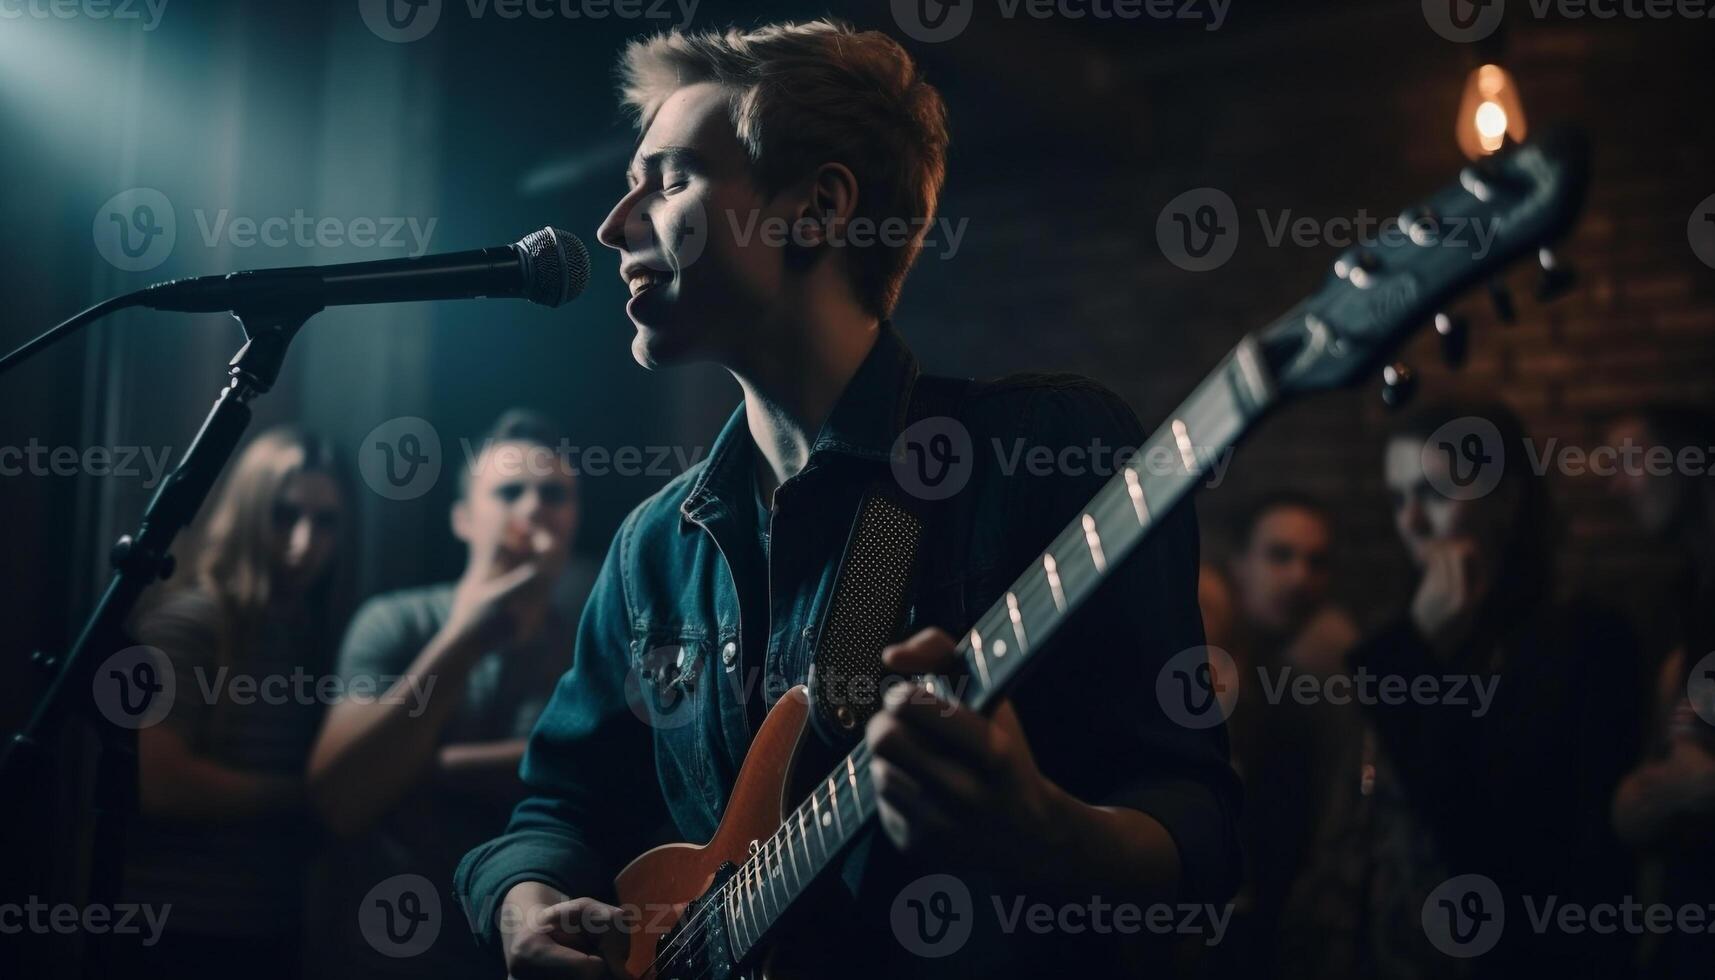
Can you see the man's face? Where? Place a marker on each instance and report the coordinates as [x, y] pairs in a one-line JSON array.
[[697, 293], [1282, 577], [522, 501]]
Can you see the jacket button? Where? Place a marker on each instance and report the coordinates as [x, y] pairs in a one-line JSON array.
[[729, 653]]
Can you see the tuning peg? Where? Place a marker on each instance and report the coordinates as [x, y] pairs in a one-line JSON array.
[[1502, 298], [1557, 277], [1399, 383], [1455, 334]]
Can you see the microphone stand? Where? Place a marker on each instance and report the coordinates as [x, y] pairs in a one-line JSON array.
[[139, 560]]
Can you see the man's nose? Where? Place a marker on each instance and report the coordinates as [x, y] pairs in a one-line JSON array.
[[612, 230]]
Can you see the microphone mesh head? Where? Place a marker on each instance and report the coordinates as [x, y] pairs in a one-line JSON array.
[[557, 266]]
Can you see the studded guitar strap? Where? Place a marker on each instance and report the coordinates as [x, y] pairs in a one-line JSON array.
[[878, 572]]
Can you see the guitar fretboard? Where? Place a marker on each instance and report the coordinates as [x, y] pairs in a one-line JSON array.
[[1005, 638]]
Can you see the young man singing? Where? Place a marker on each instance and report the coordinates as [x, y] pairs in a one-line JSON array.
[[1080, 792]]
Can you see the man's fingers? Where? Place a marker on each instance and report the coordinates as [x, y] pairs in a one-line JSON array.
[[514, 580], [579, 922], [1463, 565], [541, 542], [926, 761], [939, 724], [929, 650], [1453, 567], [1441, 569], [546, 960], [578, 938], [909, 816]]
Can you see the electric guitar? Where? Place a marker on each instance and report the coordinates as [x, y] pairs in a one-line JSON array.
[[783, 828]]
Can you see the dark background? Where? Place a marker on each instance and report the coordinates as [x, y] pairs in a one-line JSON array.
[[1069, 137]]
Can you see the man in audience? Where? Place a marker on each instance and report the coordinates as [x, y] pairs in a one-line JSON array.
[[1271, 613], [1277, 584], [1666, 806], [417, 776]]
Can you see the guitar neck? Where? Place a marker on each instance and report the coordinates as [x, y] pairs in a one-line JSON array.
[[1005, 639]]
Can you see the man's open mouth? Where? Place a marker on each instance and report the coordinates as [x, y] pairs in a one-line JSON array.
[[643, 282]]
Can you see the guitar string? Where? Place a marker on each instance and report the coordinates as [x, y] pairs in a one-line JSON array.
[[860, 772]]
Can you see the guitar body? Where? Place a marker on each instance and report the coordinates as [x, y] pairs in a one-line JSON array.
[[663, 881]]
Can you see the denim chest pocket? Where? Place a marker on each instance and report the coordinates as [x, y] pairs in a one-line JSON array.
[[673, 690]]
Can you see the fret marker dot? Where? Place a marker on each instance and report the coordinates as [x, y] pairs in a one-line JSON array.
[[1187, 452]]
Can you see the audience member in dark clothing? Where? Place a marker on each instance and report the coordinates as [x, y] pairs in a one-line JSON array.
[[1270, 612], [1474, 815], [1666, 806]]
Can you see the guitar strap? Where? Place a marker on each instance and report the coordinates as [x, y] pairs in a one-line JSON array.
[[878, 575]]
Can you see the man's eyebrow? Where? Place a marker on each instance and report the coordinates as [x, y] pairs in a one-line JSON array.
[[681, 155]]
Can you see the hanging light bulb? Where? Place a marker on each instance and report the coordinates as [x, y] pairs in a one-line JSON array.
[[1490, 113]]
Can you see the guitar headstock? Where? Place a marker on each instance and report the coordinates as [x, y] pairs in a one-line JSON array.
[[1504, 207]]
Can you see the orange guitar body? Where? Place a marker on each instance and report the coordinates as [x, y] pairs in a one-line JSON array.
[[672, 875]]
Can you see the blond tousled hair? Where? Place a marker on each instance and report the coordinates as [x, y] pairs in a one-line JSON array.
[[811, 93]]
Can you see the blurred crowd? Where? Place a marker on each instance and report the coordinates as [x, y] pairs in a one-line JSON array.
[[1498, 779], [1497, 746]]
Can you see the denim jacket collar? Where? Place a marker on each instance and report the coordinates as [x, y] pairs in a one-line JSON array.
[[863, 424]]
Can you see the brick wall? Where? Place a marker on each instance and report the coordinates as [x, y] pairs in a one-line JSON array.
[[1338, 108]]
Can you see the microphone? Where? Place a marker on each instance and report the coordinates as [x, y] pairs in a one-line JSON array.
[[549, 267]]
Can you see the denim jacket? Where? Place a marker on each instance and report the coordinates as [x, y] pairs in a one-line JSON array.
[[691, 631]]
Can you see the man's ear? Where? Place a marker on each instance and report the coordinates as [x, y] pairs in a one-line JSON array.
[[830, 203]]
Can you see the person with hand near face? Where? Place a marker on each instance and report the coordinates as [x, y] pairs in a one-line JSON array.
[[419, 760], [1514, 717]]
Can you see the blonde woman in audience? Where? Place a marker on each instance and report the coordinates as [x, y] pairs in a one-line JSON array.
[[222, 833]]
